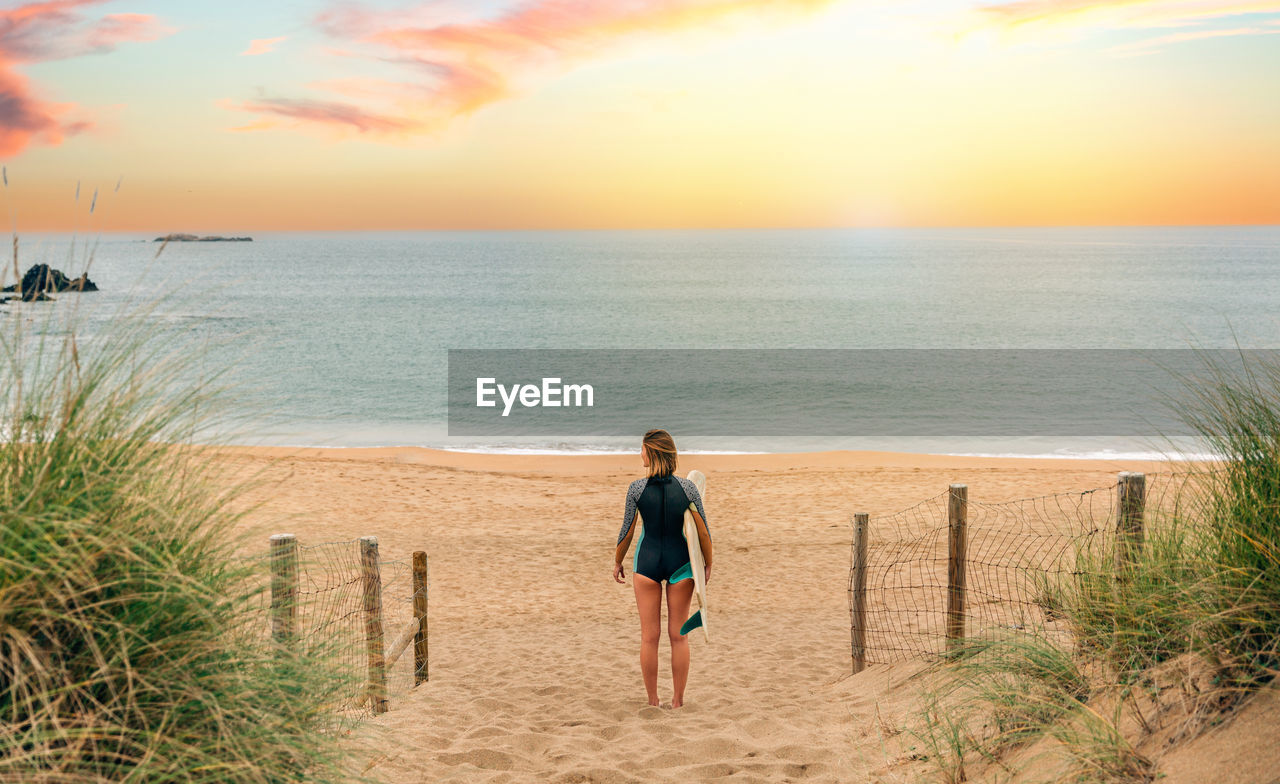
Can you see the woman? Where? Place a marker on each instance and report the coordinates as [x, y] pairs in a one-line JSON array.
[[658, 502]]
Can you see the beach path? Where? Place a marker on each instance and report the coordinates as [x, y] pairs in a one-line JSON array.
[[534, 648]]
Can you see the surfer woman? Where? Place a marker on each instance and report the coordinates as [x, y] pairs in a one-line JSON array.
[[660, 500]]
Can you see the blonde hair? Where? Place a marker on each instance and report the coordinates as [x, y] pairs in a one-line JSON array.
[[661, 449]]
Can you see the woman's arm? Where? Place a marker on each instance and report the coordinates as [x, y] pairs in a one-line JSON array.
[[624, 540], [619, 574], [629, 518]]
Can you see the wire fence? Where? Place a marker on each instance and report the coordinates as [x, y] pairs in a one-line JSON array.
[[398, 612], [1013, 558], [323, 591]]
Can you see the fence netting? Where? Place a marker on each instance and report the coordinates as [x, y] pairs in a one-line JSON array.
[[397, 610], [1019, 554], [330, 620]]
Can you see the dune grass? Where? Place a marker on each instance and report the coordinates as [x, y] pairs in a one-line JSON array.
[[1096, 751], [1154, 611], [1207, 580], [1238, 411], [1204, 586], [994, 696], [131, 648]]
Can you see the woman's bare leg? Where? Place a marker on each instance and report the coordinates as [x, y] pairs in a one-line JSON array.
[[649, 601], [678, 598]]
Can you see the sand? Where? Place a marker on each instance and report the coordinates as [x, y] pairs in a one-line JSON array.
[[534, 671]]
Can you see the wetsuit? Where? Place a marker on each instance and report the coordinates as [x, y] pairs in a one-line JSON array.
[[662, 553]]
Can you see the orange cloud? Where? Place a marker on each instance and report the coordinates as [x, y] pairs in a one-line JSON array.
[[262, 45], [53, 30], [461, 67]]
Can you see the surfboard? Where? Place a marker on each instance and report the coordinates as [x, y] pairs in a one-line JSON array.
[[696, 564]]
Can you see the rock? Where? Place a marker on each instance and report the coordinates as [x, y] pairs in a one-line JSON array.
[[194, 238], [31, 296], [41, 278]]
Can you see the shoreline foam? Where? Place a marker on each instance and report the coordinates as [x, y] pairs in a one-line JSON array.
[[1151, 456]]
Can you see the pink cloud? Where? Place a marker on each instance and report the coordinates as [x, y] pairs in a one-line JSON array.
[[326, 113], [1117, 13], [455, 68], [263, 45], [53, 30], [1153, 45], [114, 29], [24, 118]]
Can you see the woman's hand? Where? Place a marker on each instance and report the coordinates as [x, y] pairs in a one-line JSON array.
[[707, 577], [619, 574]]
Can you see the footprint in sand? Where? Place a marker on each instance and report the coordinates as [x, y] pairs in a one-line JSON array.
[[714, 770], [610, 733], [530, 743], [720, 748], [481, 758], [596, 776]]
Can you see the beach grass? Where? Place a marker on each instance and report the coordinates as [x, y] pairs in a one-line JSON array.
[[132, 643], [1198, 601], [1207, 579]]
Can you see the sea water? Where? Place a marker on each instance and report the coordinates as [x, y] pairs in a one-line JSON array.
[[341, 339]]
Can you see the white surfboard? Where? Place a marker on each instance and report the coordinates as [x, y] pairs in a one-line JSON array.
[[696, 562]]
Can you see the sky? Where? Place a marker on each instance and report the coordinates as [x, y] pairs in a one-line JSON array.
[[234, 116]]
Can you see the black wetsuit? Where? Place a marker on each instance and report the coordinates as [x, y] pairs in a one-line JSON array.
[[662, 553]]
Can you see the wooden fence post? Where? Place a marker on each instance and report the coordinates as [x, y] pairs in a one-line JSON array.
[[372, 582], [957, 541], [1131, 494], [421, 671], [284, 587], [858, 592]]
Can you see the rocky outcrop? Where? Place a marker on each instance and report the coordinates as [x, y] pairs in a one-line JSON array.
[[194, 238], [41, 278], [34, 296]]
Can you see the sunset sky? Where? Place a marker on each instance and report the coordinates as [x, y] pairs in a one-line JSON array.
[[242, 115]]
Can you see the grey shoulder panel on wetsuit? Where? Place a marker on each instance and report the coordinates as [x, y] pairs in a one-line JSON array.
[[629, 511], [691, 491]]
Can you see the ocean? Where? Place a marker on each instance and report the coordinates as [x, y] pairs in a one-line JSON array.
[[341, 339]]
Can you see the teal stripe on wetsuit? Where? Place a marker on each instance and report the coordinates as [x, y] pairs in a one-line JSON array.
[[635, 555]]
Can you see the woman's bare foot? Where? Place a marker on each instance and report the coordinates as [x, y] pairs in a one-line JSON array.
[[653, 702], [676, 704]]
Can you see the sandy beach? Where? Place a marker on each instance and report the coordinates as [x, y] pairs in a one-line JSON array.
[[534, 673], [1041, 229]]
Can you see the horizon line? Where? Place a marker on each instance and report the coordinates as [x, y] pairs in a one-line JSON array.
[[620, 229]]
